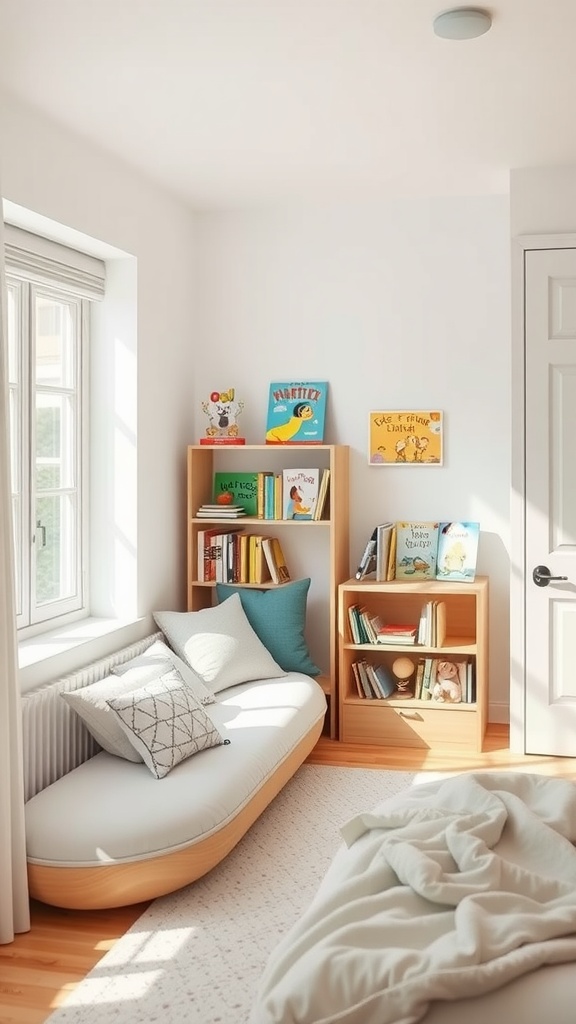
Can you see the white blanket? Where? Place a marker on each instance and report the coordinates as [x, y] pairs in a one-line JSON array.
[[449, 890]]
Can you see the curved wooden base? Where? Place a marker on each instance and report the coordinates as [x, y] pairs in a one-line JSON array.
[[118, 885]]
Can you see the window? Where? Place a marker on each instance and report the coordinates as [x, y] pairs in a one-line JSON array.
[[48, 303]]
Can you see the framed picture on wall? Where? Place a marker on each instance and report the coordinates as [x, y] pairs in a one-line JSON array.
[[406, 437]]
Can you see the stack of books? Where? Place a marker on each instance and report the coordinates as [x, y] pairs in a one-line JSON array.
[[220, 512], [397, 633]]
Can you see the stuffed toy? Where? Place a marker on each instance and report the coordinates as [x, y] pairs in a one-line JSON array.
[[447, 688]]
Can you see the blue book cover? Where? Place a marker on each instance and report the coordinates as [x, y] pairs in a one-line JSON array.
[[296, 412], [457, 551]]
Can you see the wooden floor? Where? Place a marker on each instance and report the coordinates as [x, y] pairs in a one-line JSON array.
[[41, 967]]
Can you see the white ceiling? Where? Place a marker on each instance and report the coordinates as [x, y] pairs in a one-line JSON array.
[[229, 102]]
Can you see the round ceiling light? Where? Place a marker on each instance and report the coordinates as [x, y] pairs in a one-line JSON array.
[[462, 23]]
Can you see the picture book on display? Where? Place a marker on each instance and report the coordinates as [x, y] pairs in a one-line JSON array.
[[238, 489], [416, 547], [299, 493], [457, 551], [296, 412]]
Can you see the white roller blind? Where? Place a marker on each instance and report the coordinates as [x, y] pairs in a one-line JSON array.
[[46, 262]]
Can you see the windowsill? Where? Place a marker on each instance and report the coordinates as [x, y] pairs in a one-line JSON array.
[[65, 649]]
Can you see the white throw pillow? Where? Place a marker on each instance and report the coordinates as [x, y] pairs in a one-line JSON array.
[[159, 658], [165, 723], [219, 644], [89, 703]]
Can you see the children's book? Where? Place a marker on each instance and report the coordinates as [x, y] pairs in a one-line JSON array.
[[384, 537], [258, 570], [457, 551], [383, 679], [416, 546], [242, 486], [276, 560], [323, 494], [296, 412], [299, 493], [367, 563]]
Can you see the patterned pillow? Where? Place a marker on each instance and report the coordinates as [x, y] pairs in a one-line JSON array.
[[165, 723]]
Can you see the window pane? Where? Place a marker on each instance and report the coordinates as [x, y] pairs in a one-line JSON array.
[[54, 342], [55, 548], [55, 445]]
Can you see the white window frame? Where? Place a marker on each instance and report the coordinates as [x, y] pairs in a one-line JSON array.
[[37, 266]]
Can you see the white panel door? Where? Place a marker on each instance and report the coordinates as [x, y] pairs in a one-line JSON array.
[[550, 527]]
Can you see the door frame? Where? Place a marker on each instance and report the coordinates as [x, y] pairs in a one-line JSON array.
[[520, 246]]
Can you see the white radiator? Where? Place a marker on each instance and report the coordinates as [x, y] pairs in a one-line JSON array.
[[54, 738]]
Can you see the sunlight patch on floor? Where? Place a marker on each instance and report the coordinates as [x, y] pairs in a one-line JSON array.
[[126, 988]]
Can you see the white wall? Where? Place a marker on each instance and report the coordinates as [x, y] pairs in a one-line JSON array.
[[398, 305], [542, 200], [54, 174]]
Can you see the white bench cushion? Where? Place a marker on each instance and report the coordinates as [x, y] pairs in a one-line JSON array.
[[109, 810]]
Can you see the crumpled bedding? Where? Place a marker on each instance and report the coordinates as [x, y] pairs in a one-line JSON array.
[[446, 891]]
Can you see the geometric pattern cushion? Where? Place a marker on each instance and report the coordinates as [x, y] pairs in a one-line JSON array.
[[165, 723]]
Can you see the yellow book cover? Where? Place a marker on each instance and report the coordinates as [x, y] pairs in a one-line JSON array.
[[259, 571]]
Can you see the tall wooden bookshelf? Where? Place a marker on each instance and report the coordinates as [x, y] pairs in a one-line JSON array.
[[402, 722], [304, 542]]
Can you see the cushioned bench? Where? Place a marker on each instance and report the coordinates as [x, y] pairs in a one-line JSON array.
[[115, 831]]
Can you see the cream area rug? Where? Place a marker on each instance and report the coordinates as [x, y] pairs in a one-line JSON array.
[[195, 956]]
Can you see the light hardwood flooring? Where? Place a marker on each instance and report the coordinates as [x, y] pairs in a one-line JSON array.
[[41, 967]]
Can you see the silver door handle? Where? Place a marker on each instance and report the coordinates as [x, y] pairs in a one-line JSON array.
[[542, 576]]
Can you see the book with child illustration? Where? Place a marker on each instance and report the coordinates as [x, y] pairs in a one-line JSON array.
[[299, 493], [296, 412]]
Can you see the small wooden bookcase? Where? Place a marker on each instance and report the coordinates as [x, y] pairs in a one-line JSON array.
[[327, 537], [402, 722]]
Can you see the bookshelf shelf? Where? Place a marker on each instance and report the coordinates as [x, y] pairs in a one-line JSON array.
[[408, 722], [324, 555]]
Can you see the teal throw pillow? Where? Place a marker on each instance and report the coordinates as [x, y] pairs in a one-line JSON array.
[[278, 617]]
